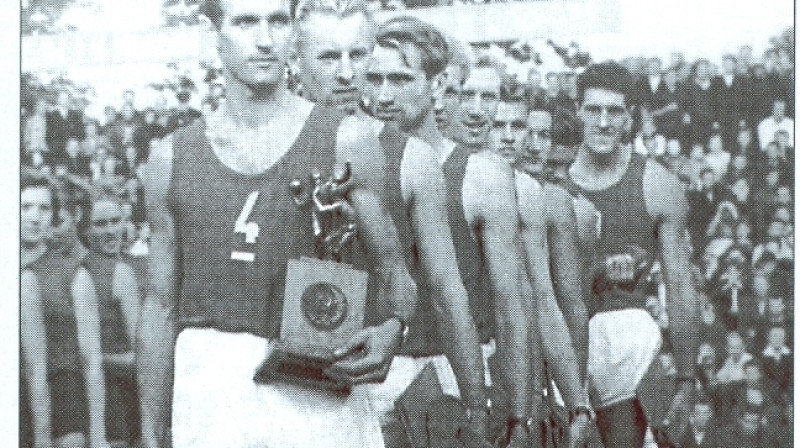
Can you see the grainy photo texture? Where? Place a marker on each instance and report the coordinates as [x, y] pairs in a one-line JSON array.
[[407, 224]]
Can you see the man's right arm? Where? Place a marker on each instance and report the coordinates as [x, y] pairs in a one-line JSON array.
[[156, 338]]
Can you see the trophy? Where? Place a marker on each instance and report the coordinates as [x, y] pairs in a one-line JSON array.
[[323, 303]]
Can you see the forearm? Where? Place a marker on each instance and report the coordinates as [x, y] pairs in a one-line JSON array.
[[683, 310], [461, 346], [513, 326], [39, 393], [154, 365], [96, 398]]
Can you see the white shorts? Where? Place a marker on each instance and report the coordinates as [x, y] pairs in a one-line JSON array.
[[404, 370], [622, 345], [216, 403]]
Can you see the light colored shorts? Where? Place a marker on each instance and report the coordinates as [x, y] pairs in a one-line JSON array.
[[622, 345], [404, 370], [218, 405]]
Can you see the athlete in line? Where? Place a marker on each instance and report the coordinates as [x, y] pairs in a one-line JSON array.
[[642, 215], [224, 226]]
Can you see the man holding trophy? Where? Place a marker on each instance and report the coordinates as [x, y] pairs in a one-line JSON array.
[[240, 216]]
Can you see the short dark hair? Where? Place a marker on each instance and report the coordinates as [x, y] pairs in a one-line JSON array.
[[608, 76], [212, 9], [27, 181], [433, 47]]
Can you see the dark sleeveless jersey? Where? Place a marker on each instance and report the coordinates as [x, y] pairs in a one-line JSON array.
[[236, 231], [423, 336], [55, 273], [624, 222], [469, 251], [113, 334]]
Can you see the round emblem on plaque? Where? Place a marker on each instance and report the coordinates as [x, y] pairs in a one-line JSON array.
[[324, 305]]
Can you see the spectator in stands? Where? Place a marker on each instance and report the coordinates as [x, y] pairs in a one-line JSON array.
[[758, 392], [698, 103], [744, 141], [669, 115], [123, 130], [35, 129], [774, 123], [717, 157], [741, 235], [91, 137], [763, 200], [183, 114], [104, 168], [76, 163], [703, 200], [129, 100], [118, 296], [64, 236], [775, 242], [703, 430], [730, 92], [649, 89], [63, 123], [144, 134], [649, 142], [739, 168], [747, 432], [676, 162], [535, 94], [697, 164], [739, 196], [778, 359], [732, 369], [712, 330], [779, 431]]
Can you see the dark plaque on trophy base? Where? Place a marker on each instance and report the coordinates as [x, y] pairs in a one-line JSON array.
[[323, 303]]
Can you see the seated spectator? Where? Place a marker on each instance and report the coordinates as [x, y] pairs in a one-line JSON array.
[[777, 316], [123, 130], [717, 158], [738, 169], [744, 141], [713, 330], [763, 200], [775, 242], [76, 163], [778, 359], [697, 163], [144, 135], [109, 118], [90, 137], [648, 141], [703, 430], [183, 114], [775, 122], [732, 369], [757, 393], [127, 165], [34, 132], [674, 160], [706, 364], [742, 236], [747, 432], [703, 200], [104, 168]]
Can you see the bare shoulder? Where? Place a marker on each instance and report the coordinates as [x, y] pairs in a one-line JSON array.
[[664, 193], [489, 179], [357, 142], [558, 202]]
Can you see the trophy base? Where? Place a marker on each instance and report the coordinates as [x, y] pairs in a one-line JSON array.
[[301, 366]]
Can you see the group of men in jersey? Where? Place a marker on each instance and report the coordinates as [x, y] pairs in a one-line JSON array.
[[471, 253]]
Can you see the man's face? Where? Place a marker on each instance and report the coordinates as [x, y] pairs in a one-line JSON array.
[[752, 375], [127, 112], [540, 125], [776, 337], [36, 214], [760, 286], [776, 306], [105, 230], [477, 106], [397, 87], [729, 66], [783, 195], [509, 129], [673, 148], [254, 42], [446, 99], [534, 78], [552, 82], [605, 118], [333, 54], [703, 71]]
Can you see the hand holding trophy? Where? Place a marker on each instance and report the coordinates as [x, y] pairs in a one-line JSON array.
[[324, 298]]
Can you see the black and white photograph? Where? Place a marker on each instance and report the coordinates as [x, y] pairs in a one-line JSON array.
[[402, 224]]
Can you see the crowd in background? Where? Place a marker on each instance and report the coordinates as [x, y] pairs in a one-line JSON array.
[[726, 131]]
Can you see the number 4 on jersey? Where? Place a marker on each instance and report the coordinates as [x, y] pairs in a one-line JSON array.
[[249, 229]]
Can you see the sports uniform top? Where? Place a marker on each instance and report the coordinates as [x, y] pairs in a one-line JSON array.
[[624, 222], [423, 337], [54, 273], [469, 251], [113, 337], [237, 231]]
